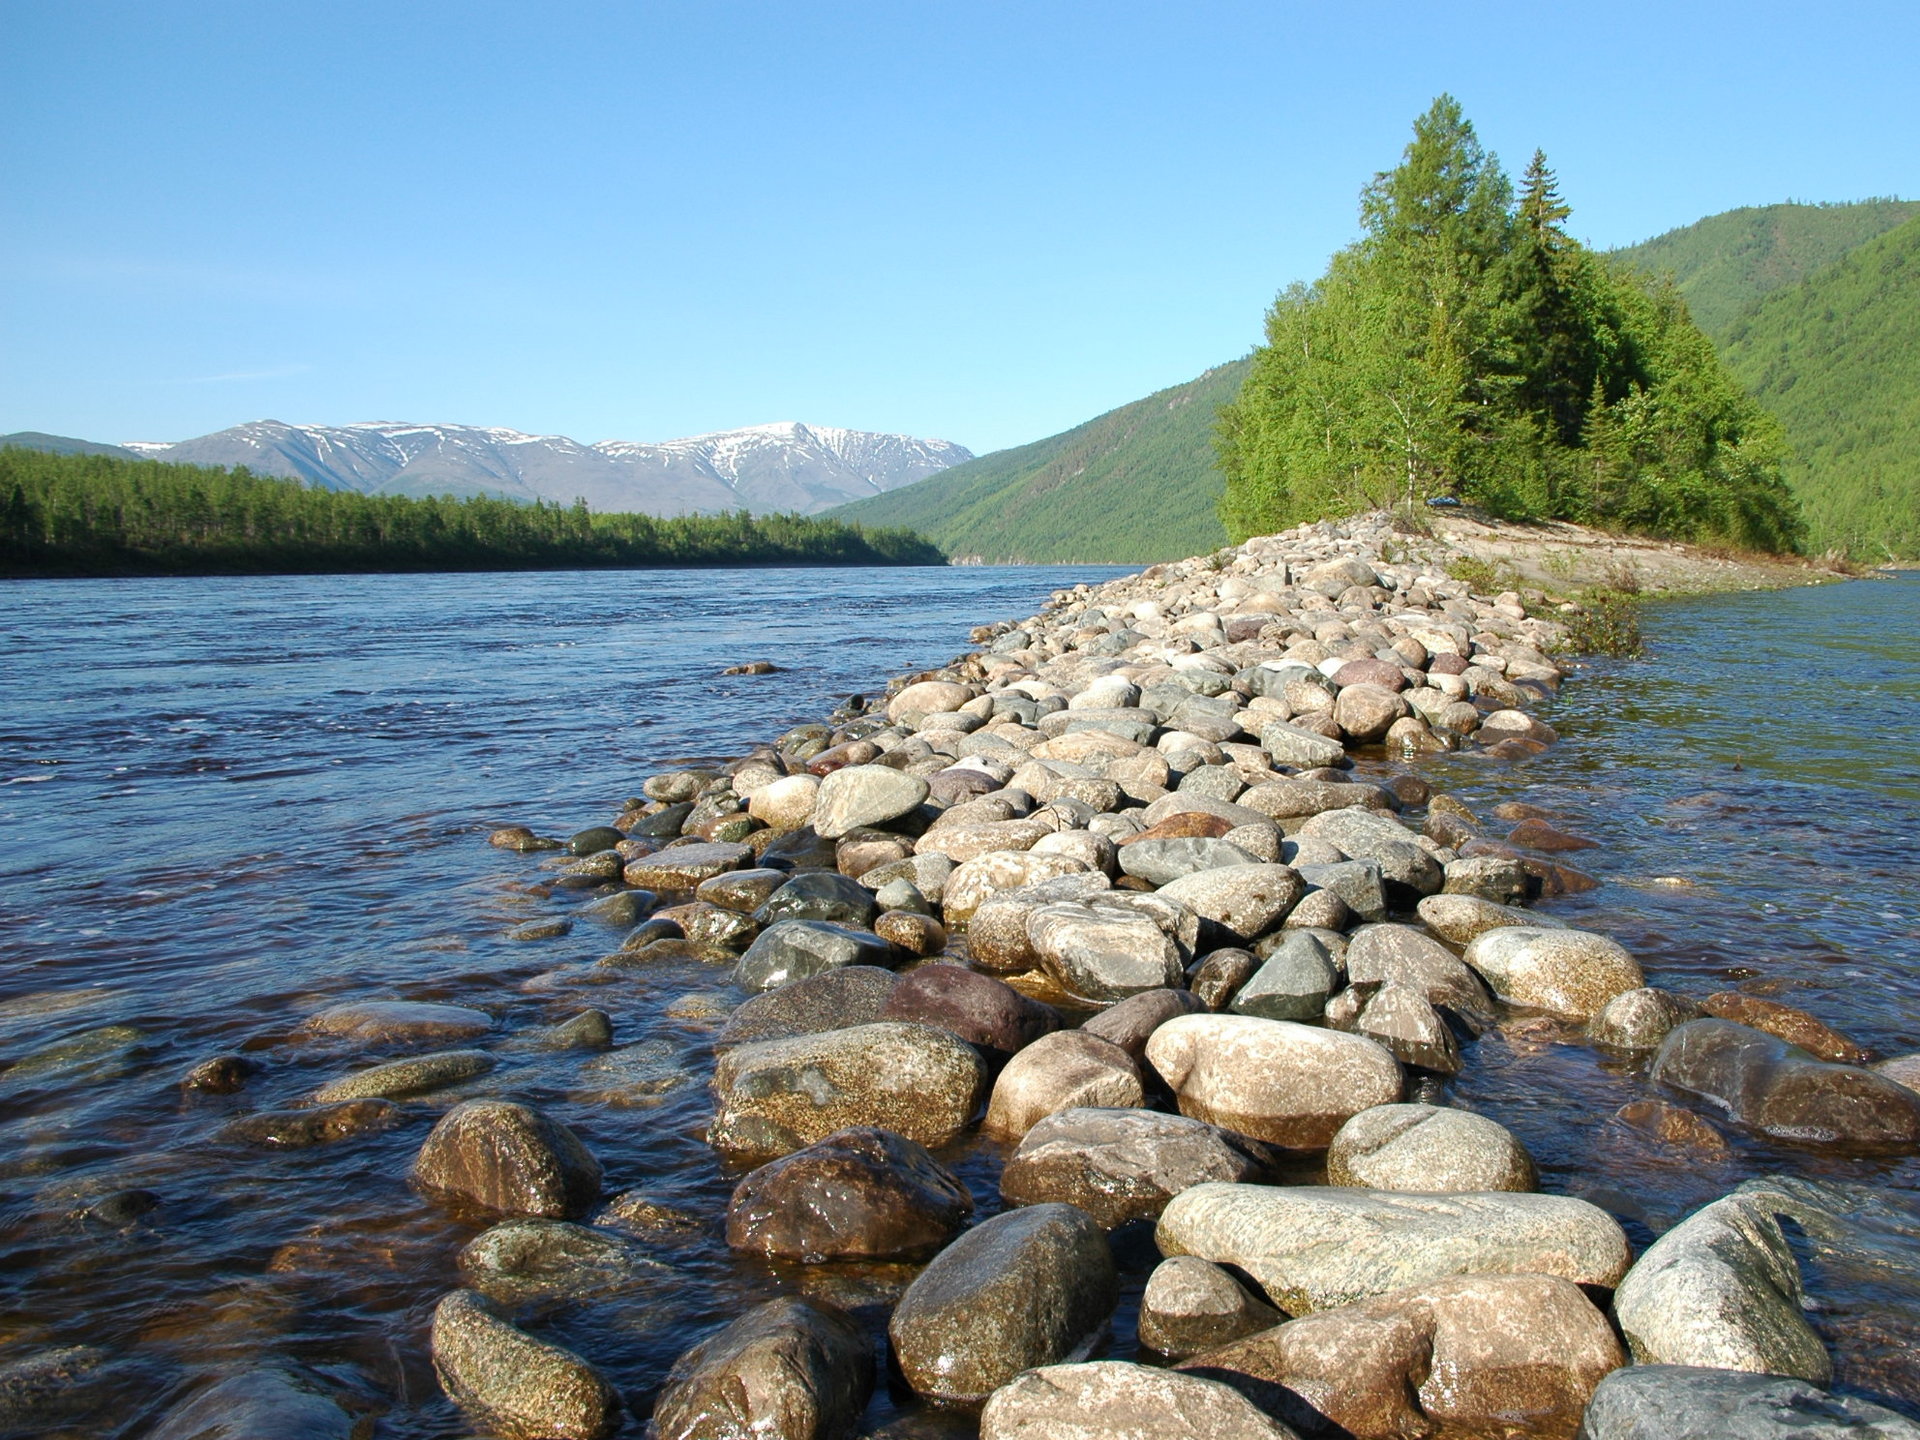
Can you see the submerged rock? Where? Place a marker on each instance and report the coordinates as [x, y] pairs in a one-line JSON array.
[[318, 1125], [518, 1387], [404, 1021], [1759, 1081], [1029, 1287], [860, 1194], [1311, 1249], [407, 1077], [789, 1368], [523, 1260], [268, 1403]]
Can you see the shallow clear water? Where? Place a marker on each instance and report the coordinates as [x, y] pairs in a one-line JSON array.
[[227, 803]]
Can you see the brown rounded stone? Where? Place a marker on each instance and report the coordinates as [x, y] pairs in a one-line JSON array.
[[509, 1158], [1796, 1027], [860, 1194]]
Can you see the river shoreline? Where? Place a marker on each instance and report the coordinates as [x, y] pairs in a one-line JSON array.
[[742, 869]]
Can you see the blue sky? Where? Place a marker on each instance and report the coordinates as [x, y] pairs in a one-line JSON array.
[[985, 222]]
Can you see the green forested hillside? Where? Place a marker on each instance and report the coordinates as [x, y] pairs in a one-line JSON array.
[[1726, 262], [61, 445], [1137, 484], [98, 515], [1837, 358]]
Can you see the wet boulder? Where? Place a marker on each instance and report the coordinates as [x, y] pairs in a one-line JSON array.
[[1313, 1248], [979, 1009], [792, 950], [832, 1000], [1428, 1149], [1029, 1287], [399, 1022], [1474, 1355], [1570, 972], [789, 1368], [509, 1158], [1796, 1027], [774, 1097], [523, 1261], [818, 895], [859, 1194], [1119, 1164], [1272, 1080], [1684, 1402], [1192, 1305], [1722, 1289], [512, 1384], [1099, 1399], [1760, 1081], [1061, 1071], [1640, 1019], [684, 867], [406, 1077]]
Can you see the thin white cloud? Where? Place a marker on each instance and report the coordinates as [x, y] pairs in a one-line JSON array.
[[275, 372]]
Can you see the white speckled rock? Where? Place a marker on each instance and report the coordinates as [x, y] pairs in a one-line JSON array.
[[1273, 1080], [1312, 1248], [1428, 1149], [1118, 1400], [1570, 972], [1721, 1289]]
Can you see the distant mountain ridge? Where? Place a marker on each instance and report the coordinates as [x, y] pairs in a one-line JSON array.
[[781, 467], [1136, 484]]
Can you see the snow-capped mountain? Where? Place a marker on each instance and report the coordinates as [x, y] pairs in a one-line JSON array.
[[762, 468]]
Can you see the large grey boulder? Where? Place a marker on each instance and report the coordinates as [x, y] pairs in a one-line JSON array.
[[512, 1384], [831, 1000], [1409, 871], [773, 1097], [1239, 902], [1301, 749], [860, 795], [1161, 862], [1109, 1399], [1119, 1164], [789, 1368], [1682, 1402], [1312, 1248], [1029, 1287], [1293, 983], [1722, 1289]]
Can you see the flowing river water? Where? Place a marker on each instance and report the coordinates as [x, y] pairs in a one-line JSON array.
[[229, 803]]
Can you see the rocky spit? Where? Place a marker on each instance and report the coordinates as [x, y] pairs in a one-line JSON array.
[[1109, 891]]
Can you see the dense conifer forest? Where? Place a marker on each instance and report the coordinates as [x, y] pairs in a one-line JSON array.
[[1466, 346], [100, 515]]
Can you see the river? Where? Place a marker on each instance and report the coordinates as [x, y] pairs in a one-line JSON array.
[[227, 803]]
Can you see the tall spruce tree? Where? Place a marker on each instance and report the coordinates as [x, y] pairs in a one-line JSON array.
[[1461, 347]]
